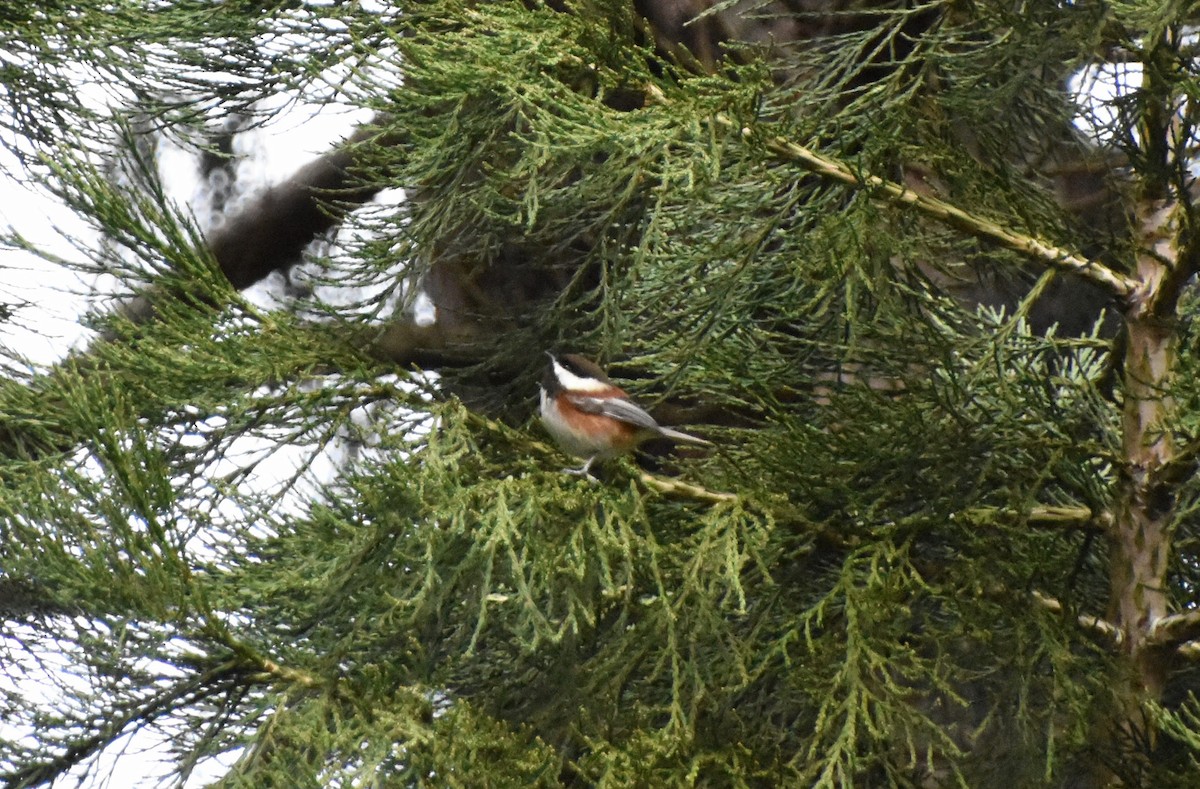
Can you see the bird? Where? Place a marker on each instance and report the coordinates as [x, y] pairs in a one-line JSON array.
[[591, 417]]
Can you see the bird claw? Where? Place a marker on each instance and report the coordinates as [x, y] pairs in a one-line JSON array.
[[584, 471]]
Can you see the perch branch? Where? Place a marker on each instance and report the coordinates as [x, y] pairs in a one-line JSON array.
[[673, 487]]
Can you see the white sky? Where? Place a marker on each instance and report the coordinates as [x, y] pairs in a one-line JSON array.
[[53, 298], [47, 327]]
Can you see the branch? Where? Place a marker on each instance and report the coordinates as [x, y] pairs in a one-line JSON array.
[[1038, 249], [1050, 517], [1103, 629], [405, 343], [1175, 631], [673, 487], [21, 599], [138, 715], [272, 230], [272, 672]]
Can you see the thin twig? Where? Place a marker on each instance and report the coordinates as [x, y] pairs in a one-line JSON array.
[[1038, 249], [673, 487], [1106, 630], [1047, 517], [1175, 630]]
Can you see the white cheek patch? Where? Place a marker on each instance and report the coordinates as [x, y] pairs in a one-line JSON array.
[[574, 383]]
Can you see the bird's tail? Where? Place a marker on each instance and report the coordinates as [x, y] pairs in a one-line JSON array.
[[683, 438]]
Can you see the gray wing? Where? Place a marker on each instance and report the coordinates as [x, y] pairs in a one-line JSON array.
[[617, 408]]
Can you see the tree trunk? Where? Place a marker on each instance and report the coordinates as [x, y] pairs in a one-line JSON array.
[[1140, 534]]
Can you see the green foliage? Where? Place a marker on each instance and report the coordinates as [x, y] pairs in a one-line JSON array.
[[442, 607]]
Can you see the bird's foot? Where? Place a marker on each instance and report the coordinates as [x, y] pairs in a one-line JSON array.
[[584, 471]]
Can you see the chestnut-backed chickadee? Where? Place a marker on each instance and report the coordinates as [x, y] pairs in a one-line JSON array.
[[591, 417]]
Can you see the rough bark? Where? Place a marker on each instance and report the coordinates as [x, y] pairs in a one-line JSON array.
[[1139, 534]]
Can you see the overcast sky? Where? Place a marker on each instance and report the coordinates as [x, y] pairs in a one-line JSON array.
[[51, 300]]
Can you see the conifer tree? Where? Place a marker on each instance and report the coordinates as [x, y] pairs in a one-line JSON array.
[[922, 271]]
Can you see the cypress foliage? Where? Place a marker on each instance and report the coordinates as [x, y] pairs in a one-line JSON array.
[[940, 335]]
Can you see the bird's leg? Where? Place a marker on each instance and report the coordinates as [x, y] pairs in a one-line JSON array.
[[583, 471]]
